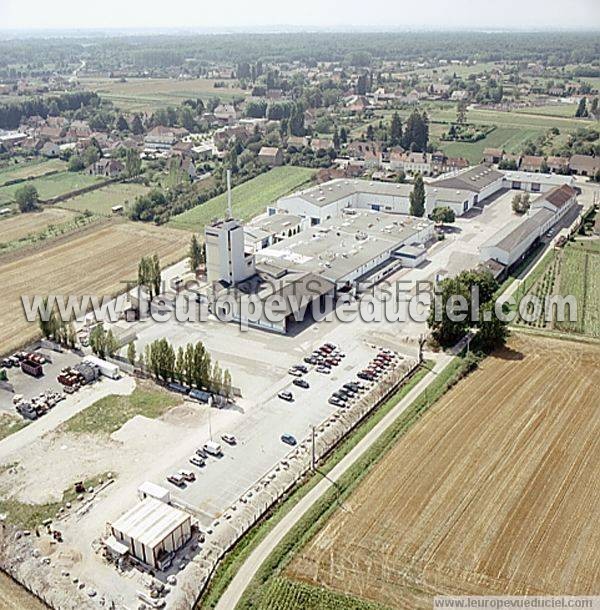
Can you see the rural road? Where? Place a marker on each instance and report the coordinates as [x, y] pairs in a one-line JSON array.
[[249, 568]]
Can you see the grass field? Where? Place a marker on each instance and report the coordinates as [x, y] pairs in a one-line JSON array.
[[94, 261], [100, 201], [110, 413], [20, 226], [149, 94], [559, 110], [9, 424], [248, 199], [491, 492], [51, 186], [30, 169]]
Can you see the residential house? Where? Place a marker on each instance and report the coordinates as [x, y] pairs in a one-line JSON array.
[[56, 134], [108, 168], [455, 163], [584, 165], [492, 155], [459, 95], [225, 113], [558, 165], [558, 200], [79, 130], [413, 162], [358, 103], [271, 155], [531, 163], [512, 158], [297, 142], [159, 139], [50, 150], [320, 144]]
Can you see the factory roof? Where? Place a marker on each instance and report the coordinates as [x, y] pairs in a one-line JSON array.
[[150, 521], [339, 246], [517, 231], [341, 188], [472, 179], [520, 176]]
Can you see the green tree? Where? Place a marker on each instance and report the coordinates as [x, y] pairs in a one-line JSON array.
[[111, 345], [443, 214], [395, 130], [216, 379], [137, 128], [122, 123], [133, 163], [227, 387], [196, 253], [417, 197], [448, 319], [27, 198], [180, 365], [131, 355], [75, 163], [493, 331], [189, 364], [581, 108], [98, 340]]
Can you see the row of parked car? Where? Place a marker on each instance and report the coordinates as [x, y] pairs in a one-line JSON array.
[[182, 477], [37, 406], [385, 359], [343, 396]]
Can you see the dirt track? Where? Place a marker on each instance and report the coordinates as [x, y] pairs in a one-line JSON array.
[[495, 491], [93, 262]]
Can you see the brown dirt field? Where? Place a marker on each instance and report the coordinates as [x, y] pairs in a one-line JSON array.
[[494, 491], [91, 262], [21, 225], [14, 597]]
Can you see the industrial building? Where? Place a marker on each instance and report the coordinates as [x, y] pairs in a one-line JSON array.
[[152, 531], [512, 242]]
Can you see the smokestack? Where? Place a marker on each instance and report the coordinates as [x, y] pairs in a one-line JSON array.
[[229, 212]]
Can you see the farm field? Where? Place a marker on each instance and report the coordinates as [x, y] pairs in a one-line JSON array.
[[95, 261], [51, 186], [248, 199], [21, 225], [579, 277], [31, 169], [492, 492], [101, 201], [149, 94], [15, 597], [560, 110]]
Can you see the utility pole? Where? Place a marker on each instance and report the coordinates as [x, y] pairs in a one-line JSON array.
[[313, 452]]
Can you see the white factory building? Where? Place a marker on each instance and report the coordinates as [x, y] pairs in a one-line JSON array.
[[151, 532], [513, 241]]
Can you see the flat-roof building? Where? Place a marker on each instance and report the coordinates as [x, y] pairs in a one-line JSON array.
[[153, 531]]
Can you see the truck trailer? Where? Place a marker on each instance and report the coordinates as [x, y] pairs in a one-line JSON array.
[[108, 369]]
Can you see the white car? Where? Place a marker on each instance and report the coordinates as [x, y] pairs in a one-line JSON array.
[[229, 439]]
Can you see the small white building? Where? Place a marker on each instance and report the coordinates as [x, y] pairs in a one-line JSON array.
[[152, 531]]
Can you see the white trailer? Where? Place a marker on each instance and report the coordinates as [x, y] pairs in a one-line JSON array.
[[108, 369]]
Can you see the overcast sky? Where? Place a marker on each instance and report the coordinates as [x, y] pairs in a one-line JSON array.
[[382, 14]]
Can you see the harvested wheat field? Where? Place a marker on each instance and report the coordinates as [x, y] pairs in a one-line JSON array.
[[95, 261], [19, 226], [494, 491]]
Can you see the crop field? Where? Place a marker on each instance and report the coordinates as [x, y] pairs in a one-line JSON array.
[[21, 171], [579, 277], [560, 110], [248, 199], [149, 94], [96, 261], [51, 186], [20, 226], [493, 491], [100, 201]]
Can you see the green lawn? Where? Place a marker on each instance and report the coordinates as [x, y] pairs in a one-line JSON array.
[[248, 199], [559, 110], [9, 424], [108, 414], [28, 169], [50, 186], [102, 200]]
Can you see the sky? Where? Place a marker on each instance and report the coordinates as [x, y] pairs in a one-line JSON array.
[[249, 14]]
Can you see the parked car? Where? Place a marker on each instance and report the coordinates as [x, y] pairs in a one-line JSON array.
[[336, 402], [301, 368], [176, 479], [301, 383], [201, 453], [310, 360], [285, 395], [323, 369], [229, 439], [295, 372], [188, 475], [197, 461], [289, 439]]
